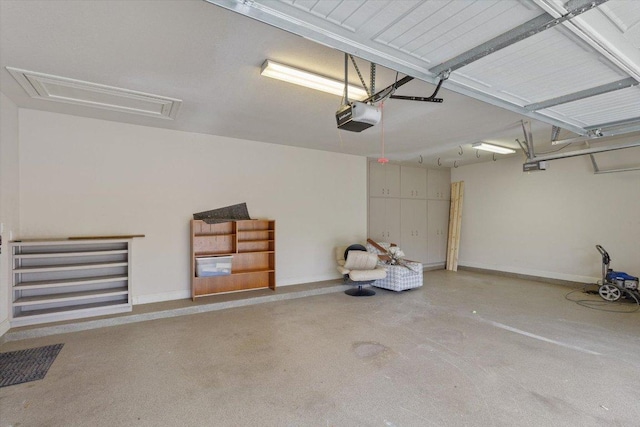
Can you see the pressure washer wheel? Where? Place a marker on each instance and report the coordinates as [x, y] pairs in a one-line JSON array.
[[610, 292]]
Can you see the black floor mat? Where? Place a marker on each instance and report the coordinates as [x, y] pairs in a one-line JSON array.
[[22, 366]]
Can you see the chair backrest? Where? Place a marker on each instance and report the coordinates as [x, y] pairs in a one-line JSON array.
[[341, 252], [361, 260]]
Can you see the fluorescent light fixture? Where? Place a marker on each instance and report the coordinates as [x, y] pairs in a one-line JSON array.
[[310, 80], [493, 148]]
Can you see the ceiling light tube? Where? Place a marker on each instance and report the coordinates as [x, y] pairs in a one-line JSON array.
[[493, 148], [310, 80]]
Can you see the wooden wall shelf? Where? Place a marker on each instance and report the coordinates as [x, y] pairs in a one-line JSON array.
[[251, 243]]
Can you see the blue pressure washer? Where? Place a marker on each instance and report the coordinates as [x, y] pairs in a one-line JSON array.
[[615, 284]]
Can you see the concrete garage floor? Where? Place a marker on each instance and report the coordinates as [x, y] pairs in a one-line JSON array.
[[466, 349]]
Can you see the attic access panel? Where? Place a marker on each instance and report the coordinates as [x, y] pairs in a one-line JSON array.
[[414, 37]]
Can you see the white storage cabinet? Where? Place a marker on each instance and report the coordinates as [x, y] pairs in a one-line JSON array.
[[438, 231], [409, 206], [439, 187], [413, 182], [384, 219], [384, 180], [413, 226]]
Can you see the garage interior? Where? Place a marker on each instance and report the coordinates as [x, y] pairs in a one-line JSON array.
[[123, 118]]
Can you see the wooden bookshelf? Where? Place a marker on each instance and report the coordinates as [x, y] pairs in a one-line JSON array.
[[250, 243]]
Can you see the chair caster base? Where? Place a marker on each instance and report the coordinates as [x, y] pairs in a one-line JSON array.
[[360, 292]]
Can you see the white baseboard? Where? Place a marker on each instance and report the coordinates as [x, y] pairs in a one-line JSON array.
[[532, 272], [175, 295], [308, 279], [433, 266], [166, 296]]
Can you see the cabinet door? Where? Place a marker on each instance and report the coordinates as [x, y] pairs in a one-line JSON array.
[[377, 184], [392, 176], [438, 230], [384, 219], [413, 229], [439, 184], [384, 180], [393, 221], [413, 182]]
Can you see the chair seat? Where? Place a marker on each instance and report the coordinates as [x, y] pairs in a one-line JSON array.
[[366, 275]]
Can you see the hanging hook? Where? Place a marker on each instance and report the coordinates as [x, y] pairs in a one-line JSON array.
[[460, 152], [421, 160], [477, 154], [439, 164], [494, 157], [455, 163]]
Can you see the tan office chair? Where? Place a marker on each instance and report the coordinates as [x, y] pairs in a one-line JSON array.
[[360, 268]]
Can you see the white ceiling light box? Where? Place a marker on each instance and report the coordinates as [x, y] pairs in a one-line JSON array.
[[71, 91], [299, 77]]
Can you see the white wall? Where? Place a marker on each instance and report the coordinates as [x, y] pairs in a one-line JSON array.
[[547, 223], [9, 187], [90, 177]]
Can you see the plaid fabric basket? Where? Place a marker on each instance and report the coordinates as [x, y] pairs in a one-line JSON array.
[[399, 278]]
